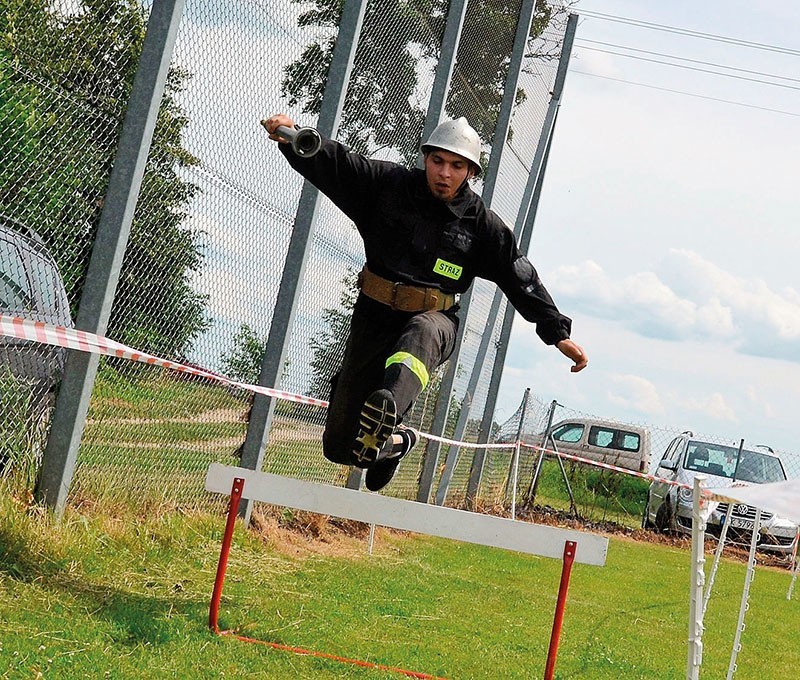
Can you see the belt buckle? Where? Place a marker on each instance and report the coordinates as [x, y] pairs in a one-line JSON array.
[[393, 299]]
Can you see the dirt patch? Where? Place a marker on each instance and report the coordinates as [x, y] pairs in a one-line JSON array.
[[220, 415], [563, 519], [305, 534]]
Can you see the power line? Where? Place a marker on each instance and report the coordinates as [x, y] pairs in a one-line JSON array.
[[692, 61], [687, 94], [693, 68], [694, 34]]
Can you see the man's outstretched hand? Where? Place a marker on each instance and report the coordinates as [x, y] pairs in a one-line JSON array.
[[573, 351], [273, 122]]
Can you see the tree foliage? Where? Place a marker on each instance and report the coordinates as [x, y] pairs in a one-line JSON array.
[[328, 346], [243, 363], [65, 77], [399, 40]]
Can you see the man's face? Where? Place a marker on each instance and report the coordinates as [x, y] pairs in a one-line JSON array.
[[446, 172]]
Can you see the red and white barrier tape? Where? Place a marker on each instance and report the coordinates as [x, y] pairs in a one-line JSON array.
[[71, 338]]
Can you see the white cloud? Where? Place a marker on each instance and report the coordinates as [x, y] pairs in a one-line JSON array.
[[714, 406], [759, 403], [635, 393], [688, 297]]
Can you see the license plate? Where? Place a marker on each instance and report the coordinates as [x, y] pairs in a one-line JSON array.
[[739, 523]]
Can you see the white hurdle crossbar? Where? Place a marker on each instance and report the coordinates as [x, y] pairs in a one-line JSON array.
[[433, 520]]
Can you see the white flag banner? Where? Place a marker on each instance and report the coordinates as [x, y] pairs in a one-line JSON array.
[[782, 498]]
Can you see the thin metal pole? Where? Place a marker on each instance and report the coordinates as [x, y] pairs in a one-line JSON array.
[[431, 456], [514, 473], [723, 534], [509, 98], [738, 458], [750, 574], [463, 417], [558, 620], [452, 456], [697, 581], [527, 215], [222, 564], [518, 436], [296, 256], [113, 230], [796, 563], [535, 478], [444, 67]]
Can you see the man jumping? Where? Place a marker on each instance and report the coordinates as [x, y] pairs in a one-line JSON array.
[[426, 235]]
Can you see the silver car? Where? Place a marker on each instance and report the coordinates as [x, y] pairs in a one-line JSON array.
[[669, 508], [31, 288]]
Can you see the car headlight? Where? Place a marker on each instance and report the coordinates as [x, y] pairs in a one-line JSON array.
[[685, 495]]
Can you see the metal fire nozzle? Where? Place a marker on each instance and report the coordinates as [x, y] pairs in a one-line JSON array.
[[306, 141]]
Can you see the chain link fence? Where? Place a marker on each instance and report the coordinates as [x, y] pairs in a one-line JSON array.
[[214, 218]]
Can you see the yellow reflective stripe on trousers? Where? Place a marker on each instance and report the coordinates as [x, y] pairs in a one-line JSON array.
[[412, 363]]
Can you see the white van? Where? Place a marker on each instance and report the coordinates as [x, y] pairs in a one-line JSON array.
[[606, 441]]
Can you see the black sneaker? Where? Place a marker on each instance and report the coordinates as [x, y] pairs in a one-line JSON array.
[[378, 418], [380, 474]]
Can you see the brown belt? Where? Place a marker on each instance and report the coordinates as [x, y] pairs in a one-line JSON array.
[[403, 297]]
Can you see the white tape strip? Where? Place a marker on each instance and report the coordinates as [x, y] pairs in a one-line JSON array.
[[71, 338]]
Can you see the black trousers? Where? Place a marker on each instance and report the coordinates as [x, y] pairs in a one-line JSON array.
[[418, 344]]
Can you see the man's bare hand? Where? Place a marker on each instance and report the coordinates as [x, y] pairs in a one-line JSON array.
[[274, 122], [575, 352]]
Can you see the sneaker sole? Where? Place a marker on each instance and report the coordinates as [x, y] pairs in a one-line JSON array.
[[376, 424]]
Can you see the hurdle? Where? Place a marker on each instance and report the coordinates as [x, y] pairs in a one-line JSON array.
[[460, 525]]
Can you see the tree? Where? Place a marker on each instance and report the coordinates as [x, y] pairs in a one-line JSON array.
[[244, 361], [398, 38], [328, 346], [65, 77]]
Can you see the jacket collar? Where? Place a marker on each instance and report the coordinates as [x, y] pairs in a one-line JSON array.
[[459, 206]]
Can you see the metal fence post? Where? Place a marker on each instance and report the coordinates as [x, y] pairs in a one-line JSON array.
[[72, 403], [294, 266], [444, 67], [431, 455], [535, 478], [527, 216]]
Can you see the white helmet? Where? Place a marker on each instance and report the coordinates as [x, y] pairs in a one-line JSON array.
[[456, 136]]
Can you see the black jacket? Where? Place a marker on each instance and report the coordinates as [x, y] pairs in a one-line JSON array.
[[412, 237]]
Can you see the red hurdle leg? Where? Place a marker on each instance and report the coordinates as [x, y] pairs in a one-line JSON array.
[[552, 652], [233, 508]]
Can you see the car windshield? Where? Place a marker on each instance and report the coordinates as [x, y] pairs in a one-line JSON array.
[[720, 460]]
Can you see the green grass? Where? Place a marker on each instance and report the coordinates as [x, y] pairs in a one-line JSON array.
[[600, 495], [113, 593], [157, 394]]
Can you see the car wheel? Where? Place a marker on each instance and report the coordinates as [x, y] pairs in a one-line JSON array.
[[664, 517]]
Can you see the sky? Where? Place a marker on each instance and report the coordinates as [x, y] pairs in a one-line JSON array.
[[668, 223]]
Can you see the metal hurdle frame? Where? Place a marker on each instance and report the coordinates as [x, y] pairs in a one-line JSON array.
[[499, 532]]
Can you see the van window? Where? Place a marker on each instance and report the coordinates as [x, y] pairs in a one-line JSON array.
[[568, 432], [608, 438], [629, 441], [600, 436]]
